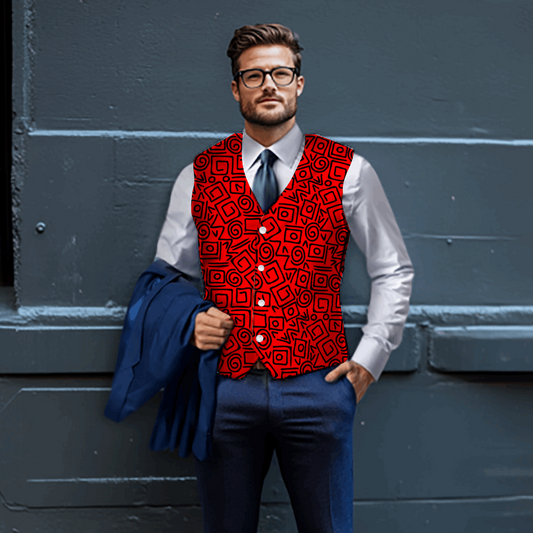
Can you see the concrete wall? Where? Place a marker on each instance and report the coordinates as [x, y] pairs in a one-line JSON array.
[[112, 98]]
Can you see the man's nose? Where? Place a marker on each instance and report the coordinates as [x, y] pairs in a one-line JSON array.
[[269, 82]]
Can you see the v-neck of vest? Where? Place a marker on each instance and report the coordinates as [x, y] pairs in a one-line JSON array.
[[290, 185]]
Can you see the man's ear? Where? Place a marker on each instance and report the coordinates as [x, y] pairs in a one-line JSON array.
[[235, 90], [300, 85]]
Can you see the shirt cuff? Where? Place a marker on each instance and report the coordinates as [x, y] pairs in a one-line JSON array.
[[370, 354]]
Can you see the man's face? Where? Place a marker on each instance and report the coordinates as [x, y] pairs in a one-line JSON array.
[[268, 105]]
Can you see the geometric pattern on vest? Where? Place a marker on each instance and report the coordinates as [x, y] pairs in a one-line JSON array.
[[277, 275]]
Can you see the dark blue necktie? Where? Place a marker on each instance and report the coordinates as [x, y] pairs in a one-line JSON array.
[[265, 185]]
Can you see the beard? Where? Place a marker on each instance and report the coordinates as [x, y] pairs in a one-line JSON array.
[[265, 118]]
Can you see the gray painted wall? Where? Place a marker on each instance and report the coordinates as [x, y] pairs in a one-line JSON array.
[[113, 98]]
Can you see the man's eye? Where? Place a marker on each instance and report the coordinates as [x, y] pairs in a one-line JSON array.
[[252, 76]]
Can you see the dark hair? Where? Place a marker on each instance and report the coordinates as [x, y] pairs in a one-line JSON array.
[[261, 34]]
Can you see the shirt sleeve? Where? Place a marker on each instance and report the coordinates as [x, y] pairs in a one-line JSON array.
[[374, 229], [178, 241]]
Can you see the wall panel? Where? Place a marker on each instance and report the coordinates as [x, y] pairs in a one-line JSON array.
[[112, 99]]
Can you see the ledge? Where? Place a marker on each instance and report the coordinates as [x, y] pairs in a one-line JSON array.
[[66, 340], [482, 349]]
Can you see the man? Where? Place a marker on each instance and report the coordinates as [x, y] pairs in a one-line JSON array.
[[268, 214]]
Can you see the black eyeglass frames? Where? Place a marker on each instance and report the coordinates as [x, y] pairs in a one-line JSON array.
[[255, 77]]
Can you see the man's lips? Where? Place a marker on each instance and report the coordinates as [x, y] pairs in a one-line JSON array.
[[268, 100]]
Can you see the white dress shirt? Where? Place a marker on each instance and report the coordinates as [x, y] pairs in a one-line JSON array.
[[372, 225]]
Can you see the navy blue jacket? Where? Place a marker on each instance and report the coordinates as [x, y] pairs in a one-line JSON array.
[[155, 352]]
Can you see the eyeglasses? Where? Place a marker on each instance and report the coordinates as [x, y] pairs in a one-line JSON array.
[[255, 77]]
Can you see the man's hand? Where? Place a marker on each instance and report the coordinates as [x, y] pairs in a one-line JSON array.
[[359, 377], [211, 329]]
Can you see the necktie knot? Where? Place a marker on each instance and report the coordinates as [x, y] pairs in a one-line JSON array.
[[268, 158], [265, 185]]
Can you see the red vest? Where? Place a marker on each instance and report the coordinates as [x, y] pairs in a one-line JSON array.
[[277, 275]]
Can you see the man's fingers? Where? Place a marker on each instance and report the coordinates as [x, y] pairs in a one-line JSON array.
[[207, 334], [208, 330], [217, 313], [215, 318], [208, 341], [211, 329], [206, 321], [359, 377], [338, 371]]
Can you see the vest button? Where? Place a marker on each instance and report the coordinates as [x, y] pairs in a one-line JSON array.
[[261, 302], [259, 338], [262, 230], [261, 268]]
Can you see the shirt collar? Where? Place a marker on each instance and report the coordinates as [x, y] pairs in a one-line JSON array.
[[286, 149]]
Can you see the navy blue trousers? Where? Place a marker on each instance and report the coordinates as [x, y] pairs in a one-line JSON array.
[[308, 422]]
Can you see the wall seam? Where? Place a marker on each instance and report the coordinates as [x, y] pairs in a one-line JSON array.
[[140, 134]]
